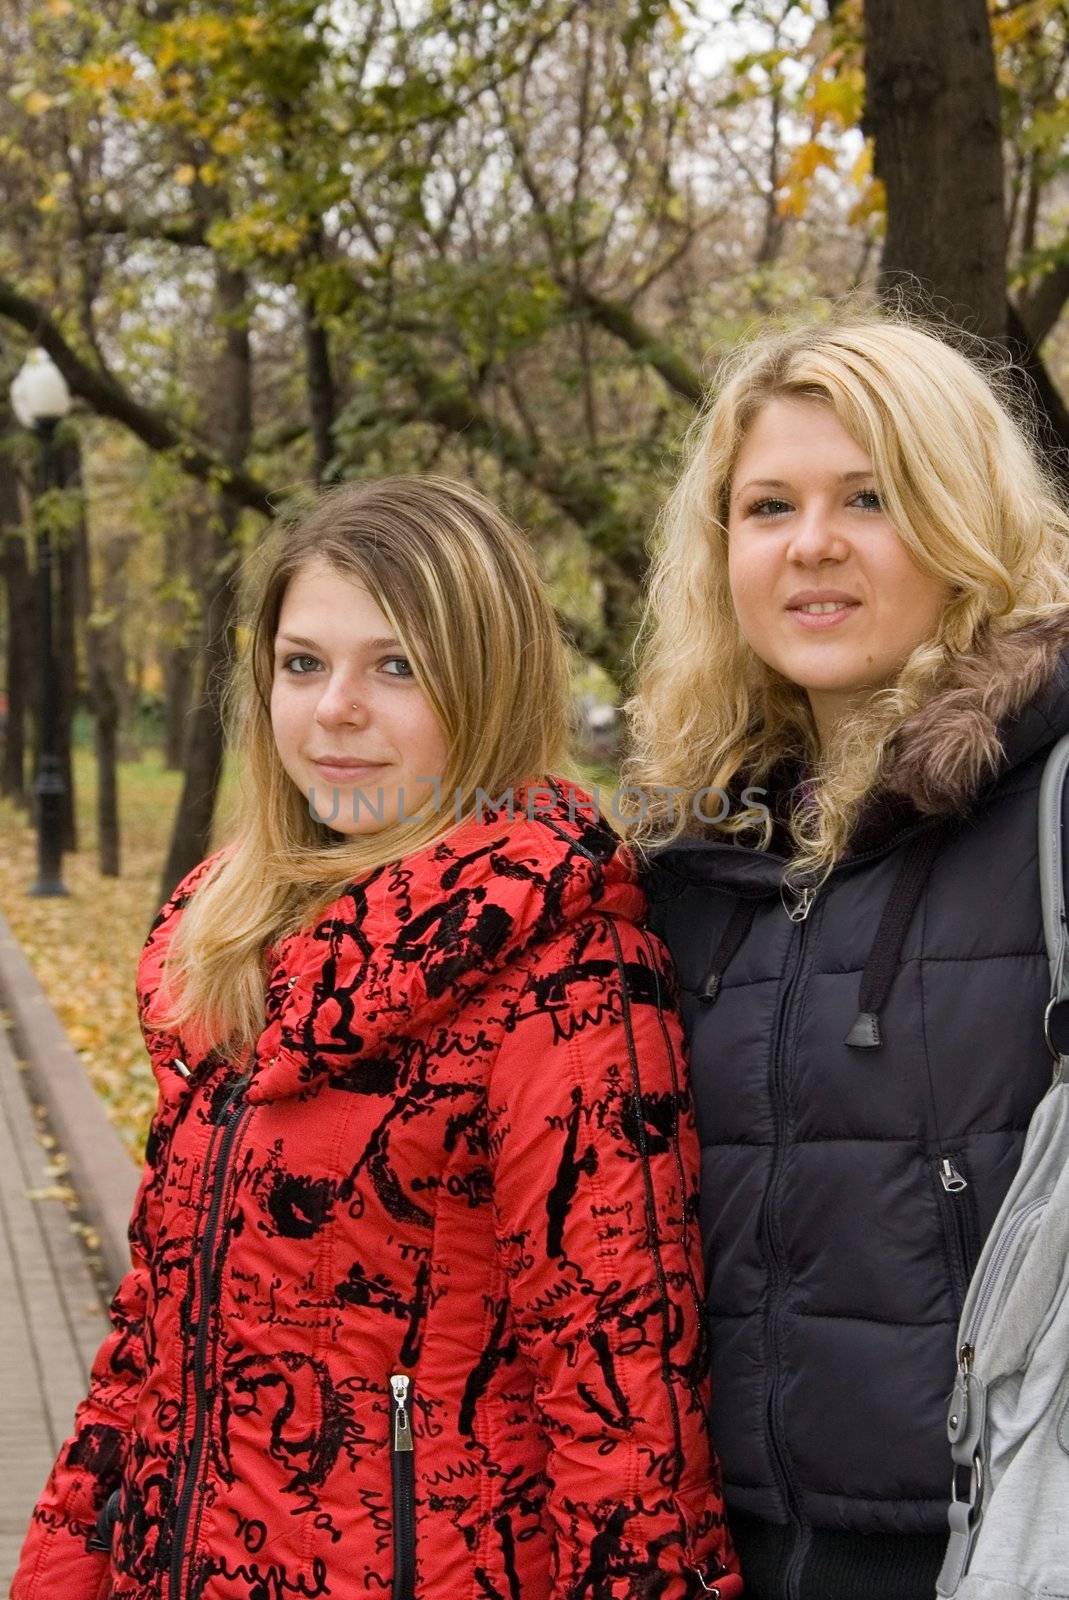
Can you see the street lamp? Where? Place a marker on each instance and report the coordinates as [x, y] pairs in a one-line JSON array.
[[40, 399]]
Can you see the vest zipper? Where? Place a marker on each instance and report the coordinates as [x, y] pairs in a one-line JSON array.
[[229, 1118], [778, 1278], [403, 1472], [961, 1227]]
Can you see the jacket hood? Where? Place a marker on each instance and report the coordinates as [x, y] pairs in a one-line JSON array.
[[407, 944], [997, 708]]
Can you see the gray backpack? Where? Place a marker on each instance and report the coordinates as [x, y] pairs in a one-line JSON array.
[[1008, 1419]]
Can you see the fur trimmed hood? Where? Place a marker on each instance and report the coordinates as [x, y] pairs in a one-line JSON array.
[[1000, 705]]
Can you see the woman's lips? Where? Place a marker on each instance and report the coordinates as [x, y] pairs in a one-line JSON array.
[[817, 621], [348, 774]]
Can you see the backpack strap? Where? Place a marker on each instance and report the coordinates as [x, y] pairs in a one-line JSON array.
[[1052, 895]]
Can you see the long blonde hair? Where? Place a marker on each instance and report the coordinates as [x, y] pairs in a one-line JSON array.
[[458, 585], [959, 477]]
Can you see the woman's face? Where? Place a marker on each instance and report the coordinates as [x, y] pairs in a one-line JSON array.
[[353, 728], [825, 591]]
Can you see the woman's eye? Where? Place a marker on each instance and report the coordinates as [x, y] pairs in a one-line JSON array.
[[290, 665], [401, 662], [868, 500], [769, 508]]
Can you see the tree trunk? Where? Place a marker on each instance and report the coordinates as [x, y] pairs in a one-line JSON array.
[[184, 564], [106, 717], [203, 761], [18, 593], [191, 838], [178, 666], [1033, 378], [932, 107], [321, 395], [108, 821], [107, 668]]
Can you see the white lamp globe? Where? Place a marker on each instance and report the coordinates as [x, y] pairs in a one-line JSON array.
[[39, 392]]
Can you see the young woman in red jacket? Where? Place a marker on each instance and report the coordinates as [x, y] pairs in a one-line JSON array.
[[415, 1297]]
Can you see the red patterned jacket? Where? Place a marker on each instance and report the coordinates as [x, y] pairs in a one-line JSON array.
[[414, 1305]]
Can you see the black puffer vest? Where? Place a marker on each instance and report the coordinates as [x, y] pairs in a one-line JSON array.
[[863, 1076]]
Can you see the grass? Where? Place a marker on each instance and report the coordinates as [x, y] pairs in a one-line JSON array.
[[84, 948]]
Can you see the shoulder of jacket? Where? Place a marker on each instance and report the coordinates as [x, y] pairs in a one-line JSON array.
[[183, 890], [580, 953]]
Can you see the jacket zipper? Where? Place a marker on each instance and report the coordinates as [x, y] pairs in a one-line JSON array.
[[229, 1118], [962, 1229], [799, 916], [993, 1272], [403, 1472]]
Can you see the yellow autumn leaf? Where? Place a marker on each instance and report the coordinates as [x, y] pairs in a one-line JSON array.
[[52, 1191], [871, 203], [838, 99], [793, 201], [1011, 25], [809, 157], [185, 174], [104, 76], [59, 8], [47, 203], [37, 102], [861, 171]]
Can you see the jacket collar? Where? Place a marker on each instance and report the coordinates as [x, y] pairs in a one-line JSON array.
[[997, 707], [408, 945]]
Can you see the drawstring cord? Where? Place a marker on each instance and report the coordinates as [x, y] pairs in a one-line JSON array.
[[886, 952], [884, 957], [738, 926]]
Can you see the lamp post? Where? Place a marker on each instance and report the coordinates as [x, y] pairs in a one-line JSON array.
[[40, 400]]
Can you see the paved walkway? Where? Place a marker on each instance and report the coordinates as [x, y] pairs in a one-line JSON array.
[[51, 1317]]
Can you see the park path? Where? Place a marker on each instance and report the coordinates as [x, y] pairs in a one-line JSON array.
[[51, 1315]]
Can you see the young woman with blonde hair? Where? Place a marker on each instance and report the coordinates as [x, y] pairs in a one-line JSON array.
[[857, 630], [415, 1296]]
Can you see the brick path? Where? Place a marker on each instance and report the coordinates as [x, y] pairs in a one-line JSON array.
[[51, 1318]]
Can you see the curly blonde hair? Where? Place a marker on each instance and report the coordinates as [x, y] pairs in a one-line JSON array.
[[959, 475]]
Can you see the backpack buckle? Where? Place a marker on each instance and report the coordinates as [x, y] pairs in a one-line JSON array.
[[975, 1487], [1056, 1027]]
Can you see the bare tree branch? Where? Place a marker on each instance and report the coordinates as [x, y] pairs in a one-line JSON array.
[[109, 399], [676, 371], [1041, 306]]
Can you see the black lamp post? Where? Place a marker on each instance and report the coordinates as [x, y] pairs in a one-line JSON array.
[[40, 400]]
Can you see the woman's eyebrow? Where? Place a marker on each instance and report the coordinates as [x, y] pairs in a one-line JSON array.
[[366, 644], [782, 483], [763, 483]]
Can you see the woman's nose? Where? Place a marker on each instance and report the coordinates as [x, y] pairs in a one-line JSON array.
[[814, 537], [341, 702]]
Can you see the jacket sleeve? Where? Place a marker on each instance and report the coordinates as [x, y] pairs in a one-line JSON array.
[[595, 1181]]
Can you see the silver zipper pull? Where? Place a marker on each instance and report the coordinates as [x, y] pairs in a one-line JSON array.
[[402, 1424], [952, 1180], [802, 904]]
